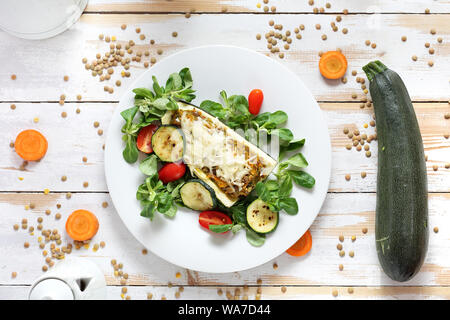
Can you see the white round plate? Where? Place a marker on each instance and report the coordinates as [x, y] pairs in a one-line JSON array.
[[181, 240]]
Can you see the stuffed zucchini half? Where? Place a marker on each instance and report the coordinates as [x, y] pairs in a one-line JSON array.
[[217, 155]]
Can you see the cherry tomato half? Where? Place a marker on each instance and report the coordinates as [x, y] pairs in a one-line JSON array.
[[207, 218], [144, 138], [255, 100], [172, 171]]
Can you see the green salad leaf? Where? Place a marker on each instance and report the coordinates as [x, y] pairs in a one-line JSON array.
[[220, 228], [254, 238], [149, 166], [155, 196]]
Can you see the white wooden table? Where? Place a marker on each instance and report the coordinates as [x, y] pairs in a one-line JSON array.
[[349, 206]]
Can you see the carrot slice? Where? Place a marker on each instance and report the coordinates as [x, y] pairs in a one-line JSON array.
[[333, 65], [31, 145], [302, 246], [82, 225]]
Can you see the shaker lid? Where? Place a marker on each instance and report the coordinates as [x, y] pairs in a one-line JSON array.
[[51, 289]]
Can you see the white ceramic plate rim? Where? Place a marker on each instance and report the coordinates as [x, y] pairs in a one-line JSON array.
[[320, 193]]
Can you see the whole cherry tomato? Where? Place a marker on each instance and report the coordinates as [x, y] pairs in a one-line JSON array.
[[255, 100], [172, 171]]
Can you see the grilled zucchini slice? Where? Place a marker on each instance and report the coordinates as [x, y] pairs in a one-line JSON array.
[[197, 195], [260, 218], [168, 143]]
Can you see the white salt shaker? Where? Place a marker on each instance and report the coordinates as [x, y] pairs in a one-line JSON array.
[[73, 278]]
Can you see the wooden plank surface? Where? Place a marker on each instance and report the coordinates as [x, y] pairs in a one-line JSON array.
[[297, 6], [267, 292], [342, 214], [69, 146], [40, 68]]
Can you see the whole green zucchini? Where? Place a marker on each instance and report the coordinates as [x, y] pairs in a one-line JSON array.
[[401, 228]]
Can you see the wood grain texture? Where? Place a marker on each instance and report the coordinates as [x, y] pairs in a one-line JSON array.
[[74, 137], [40, 68], [268, 292], [342, 214], [299, 6]]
